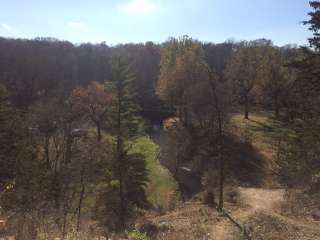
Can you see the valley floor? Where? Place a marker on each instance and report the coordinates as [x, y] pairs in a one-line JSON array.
[[258, 210], [265, 212]]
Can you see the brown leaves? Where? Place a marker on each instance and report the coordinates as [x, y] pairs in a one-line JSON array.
[[93, 101]]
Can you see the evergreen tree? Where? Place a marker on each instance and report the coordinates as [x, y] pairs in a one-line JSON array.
[[125, 191], [314, 24], [302, 154]]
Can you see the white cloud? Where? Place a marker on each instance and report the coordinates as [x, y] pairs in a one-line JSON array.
[[6, 27], [138, 7], [76, 25], [8, 30]]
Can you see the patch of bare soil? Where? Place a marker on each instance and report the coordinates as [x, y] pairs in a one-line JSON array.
[[259, 211], [225, 230], [262, 216], [262, 199], [190, 220], [267, 226]]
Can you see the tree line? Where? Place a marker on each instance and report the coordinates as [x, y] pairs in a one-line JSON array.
[[69, 115]]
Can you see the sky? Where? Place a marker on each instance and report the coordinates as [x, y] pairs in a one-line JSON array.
[[123, 21]]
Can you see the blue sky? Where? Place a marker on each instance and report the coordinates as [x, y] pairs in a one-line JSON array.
[[121, 21]]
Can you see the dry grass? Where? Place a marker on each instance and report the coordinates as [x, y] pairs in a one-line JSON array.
[[301, 205], [264, 212], [189, 221], [265, 134], [261, 130], [267, 226]]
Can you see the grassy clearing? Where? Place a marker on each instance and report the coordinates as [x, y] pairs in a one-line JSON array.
[[162, 188], [266, 135], [262, 127], [263, 131]]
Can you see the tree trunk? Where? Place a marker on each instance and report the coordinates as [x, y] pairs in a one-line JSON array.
[[221, 160], [33, 229], [221, 183], [47, 150], [220, 153], [121, 196], [64, 225], [246, 107], [98, 131], [69, 142], [276, 107], [20, 227], [120, 161], [80, 204]]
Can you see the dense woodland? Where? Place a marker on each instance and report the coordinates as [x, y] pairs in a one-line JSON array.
[[72, 118]]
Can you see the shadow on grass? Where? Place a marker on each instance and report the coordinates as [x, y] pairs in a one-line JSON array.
[[270, 128], [245, 164]]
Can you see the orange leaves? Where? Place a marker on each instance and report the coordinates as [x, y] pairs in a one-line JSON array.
[[182, 68], [94, 101]]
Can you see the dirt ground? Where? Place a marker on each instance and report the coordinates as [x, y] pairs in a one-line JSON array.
[[262, 211], [258, 210]]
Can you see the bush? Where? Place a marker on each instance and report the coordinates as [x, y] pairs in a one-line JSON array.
[[136, 235]]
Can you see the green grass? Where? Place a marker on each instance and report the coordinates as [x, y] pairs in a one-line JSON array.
[[136, 235], [162, 189], [266, 134], [262, 127]]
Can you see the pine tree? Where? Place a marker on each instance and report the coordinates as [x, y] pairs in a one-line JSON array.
[[314, 24], [302, 154], [307, 85], [125, 191]]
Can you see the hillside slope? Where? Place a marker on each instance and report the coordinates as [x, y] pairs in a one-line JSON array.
[[262, 211]]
